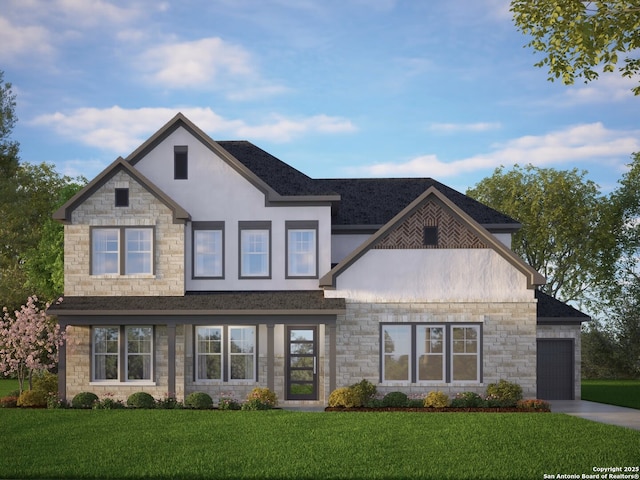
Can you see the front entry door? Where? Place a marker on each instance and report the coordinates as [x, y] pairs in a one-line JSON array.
[[302, 363]]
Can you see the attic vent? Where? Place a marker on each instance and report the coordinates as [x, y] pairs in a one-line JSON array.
[[122, 197], [430, 236], [180, 162]]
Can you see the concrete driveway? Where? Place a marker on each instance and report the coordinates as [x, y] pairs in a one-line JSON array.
[[598, 412]]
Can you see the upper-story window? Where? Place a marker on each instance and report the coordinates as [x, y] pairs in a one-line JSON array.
[[302, 249], [122, 250], [208, 249], [255, 249], [180, 162]]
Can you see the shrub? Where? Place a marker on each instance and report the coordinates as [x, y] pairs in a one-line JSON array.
[[141, 400], [504, 394], [32, 398], [255, 404], [108, 403], [10, 401], [169, 402], [364, 391], [84, 400], [343, 397], [263, 395], [46, 382], [199, 401], [374, 403], [228, 403], [534, 404], [436, 400], [468, 400], [395, 399]]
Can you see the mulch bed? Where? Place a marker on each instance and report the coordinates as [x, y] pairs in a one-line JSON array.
[[434, 410]]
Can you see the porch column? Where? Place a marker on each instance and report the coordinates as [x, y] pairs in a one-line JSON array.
[[270, 357], [62, 366], [332, 358], [171, 358]]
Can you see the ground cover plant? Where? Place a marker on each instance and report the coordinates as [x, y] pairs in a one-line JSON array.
[[625, 393], [203, 444]]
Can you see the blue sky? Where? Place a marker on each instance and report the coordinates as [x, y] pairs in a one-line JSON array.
[[336, 88]]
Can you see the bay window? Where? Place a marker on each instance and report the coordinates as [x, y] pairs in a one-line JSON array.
[[446, 353]]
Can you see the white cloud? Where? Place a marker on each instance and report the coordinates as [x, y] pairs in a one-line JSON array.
[[23, 40], [609, 87], [207, 64], [580, 143], [122, 130], [464, 127]]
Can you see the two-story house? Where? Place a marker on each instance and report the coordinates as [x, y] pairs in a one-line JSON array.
[[196, 265]]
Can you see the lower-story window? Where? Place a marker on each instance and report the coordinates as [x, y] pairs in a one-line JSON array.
[[122, 353], [430, 353], [225, 353]]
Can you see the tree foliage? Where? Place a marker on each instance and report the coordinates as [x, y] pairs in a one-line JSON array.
[[8, 148], [29, 341], [563, 235], [579, 37]]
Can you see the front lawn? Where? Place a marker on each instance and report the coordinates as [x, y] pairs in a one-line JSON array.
[[8, 385], [625, 393], [168, 444]]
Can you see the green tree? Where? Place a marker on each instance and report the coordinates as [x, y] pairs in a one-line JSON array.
[[8, 148], [580, 37], [564, 235]]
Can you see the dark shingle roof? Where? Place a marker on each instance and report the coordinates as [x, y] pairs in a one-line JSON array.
[[375, 201], [202, 302], [283, 178], [364, 201], [551, 309]]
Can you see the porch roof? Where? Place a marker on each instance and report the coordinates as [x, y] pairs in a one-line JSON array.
[[297, 302], [551, 310]]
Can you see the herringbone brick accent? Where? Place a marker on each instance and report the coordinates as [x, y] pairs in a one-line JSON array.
[[452, 233]]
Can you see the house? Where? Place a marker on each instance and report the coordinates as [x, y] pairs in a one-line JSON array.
[[196, 265]]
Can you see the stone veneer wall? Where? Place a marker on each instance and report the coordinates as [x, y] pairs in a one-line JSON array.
[[568, 331], [144, 210], [509, 342], [78, 351]]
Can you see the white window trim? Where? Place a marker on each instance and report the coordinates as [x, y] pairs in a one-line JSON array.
[[443, 355], [128, 354], [199, 355], [478, 353]]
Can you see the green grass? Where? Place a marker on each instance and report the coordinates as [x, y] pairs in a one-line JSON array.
[[625, 393], [8, 385], [168, 444]]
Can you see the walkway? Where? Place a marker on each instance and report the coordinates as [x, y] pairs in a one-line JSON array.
[[598, 412]]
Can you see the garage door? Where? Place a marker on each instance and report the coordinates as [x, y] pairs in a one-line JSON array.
[[555, 369]]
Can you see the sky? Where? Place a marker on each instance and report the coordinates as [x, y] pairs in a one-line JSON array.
[[336, 88]]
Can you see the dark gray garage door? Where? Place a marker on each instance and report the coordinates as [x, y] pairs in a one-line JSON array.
[[555, 369]]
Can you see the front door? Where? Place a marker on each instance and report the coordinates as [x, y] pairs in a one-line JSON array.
[[302, 363]]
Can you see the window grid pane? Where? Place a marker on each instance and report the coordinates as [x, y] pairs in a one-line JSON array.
[[139, 251], [397, 350], [105, 353], [208, 253], [430, 353], [241, 353], [465, 358], [209, 353], [255, 253], [106, 257], [302, 252], [139, 348]]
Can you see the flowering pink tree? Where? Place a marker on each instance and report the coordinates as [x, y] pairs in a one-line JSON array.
[[28, 342]]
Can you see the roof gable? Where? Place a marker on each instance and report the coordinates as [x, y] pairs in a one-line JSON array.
[[63, 214], [459, 231], [278, 181]]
